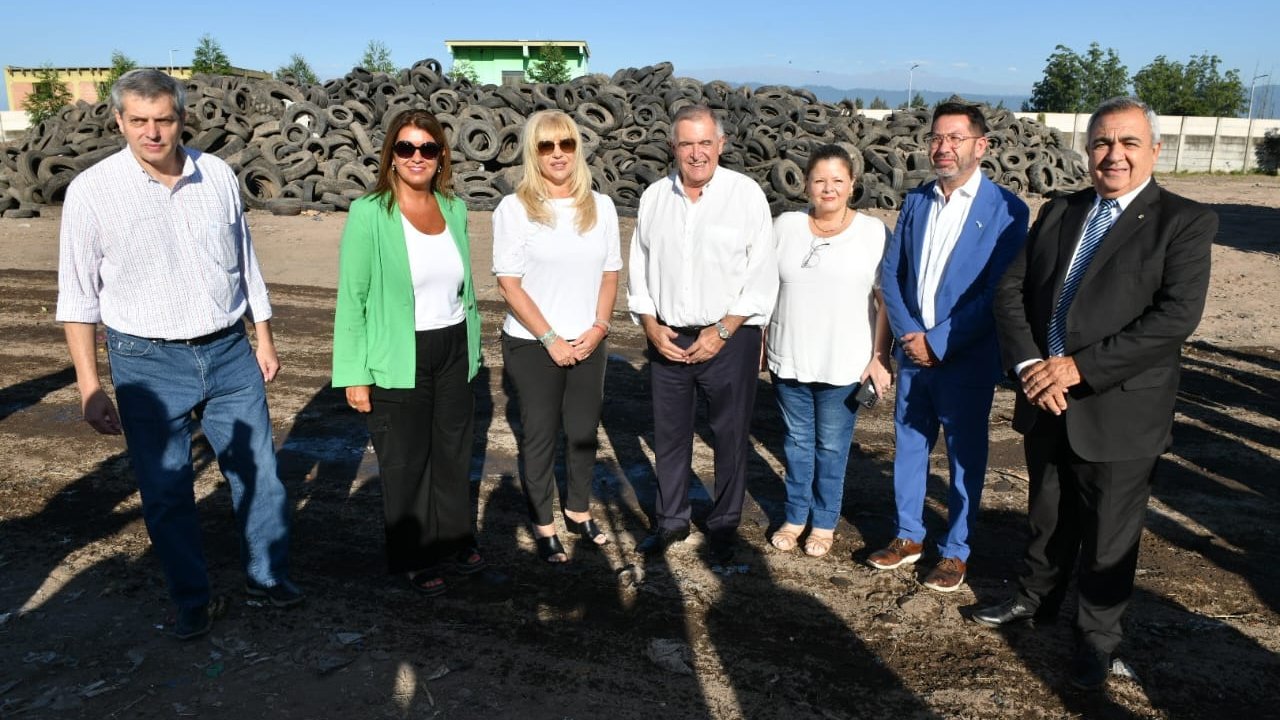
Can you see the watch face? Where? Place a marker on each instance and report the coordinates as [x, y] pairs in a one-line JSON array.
[[722, 331]]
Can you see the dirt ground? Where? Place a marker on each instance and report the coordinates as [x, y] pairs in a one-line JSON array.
[[84, 617]]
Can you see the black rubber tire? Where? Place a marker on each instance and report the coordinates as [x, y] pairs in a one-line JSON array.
[[258, 184], [478, 141], [787, 178]]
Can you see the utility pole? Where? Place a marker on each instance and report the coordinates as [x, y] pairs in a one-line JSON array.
[[910, 77], [1248, 131]]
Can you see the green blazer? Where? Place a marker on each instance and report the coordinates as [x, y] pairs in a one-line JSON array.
[[373, 324]]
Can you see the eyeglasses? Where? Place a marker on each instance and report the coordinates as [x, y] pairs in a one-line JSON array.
[[935, 139], [567, 145], [813, 258], [405, 149]]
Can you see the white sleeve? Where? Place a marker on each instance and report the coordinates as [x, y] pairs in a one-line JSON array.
[[509, 231]]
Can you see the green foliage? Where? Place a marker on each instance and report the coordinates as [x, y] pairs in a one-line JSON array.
[[377, 58], [550, 67], [300, 69], [464, 70], [1197, 88], [120, 64], [857, 103], [1075, 83], [209, 58], [1268, 152], [48, 96], [878, 103]]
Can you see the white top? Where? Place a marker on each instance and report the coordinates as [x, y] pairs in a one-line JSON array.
[[946, 220], [823, 328], [157, 262], [692, 263], [559, 268], [436, 270]]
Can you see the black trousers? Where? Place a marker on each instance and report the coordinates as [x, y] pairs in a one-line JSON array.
[[423, 438], [729, 382], [1090, 512], [552, 397]]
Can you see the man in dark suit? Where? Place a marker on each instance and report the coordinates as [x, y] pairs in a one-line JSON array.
[[953, 240], [1091, 317]]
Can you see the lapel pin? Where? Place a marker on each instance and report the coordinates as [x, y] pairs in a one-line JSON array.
[[1141, 217], [978, 223]]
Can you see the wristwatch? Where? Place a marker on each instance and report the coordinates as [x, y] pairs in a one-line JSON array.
[[723, 331]]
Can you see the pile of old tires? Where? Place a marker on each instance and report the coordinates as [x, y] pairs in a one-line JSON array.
[[297, 147]]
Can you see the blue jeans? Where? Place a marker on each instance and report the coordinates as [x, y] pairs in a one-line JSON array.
[[819, 421], [161, 389]]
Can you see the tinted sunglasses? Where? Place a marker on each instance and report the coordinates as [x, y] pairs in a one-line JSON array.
[[404, 150], [567, 145]]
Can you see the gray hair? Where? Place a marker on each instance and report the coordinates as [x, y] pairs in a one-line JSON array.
[[696, 112], [149, 84], [1122, 103]]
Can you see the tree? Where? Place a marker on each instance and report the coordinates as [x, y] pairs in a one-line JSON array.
[[1073, 83], [550, 67], [857, 103], [209, 58], [300, 69], [1197, 88], [878, 103], [120, 64], [464, 70], [48, 96], [377, 58]]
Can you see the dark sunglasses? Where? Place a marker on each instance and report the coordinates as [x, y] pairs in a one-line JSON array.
[[567, 145], [404, 150]]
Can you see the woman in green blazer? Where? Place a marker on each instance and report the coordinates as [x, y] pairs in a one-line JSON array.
[[406, 344]]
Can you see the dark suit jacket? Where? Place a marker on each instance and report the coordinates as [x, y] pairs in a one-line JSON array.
[[963, 335], [1140, 298]]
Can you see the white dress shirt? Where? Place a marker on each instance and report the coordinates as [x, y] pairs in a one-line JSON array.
[[946, 221], [157, 262], [693, 263]]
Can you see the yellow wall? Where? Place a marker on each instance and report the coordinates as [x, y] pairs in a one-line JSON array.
[[83, 81]]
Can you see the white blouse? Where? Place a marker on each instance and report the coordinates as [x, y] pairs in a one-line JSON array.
[[436, 269], [823, 326], [559, 268]]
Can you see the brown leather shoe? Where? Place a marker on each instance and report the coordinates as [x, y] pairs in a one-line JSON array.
[[946, 576], [899, 552]]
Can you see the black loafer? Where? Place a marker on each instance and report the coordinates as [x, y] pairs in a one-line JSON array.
[[1009, 612], [659, 541], [192, 622], [1089, 668], [723, 546]]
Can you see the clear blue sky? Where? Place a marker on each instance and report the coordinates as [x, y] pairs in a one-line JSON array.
[[973, 47]]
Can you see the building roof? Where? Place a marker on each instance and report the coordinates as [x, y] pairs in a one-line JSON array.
[[582, 44]]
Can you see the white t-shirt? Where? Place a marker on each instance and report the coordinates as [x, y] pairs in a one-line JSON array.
[[823, 327], [436, 269], [559, 268]]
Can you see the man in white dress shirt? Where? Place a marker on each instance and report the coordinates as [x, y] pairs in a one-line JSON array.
[[155, 246], [703, 280]]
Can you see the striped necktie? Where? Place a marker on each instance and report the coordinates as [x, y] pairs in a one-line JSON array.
[[1097, 229]]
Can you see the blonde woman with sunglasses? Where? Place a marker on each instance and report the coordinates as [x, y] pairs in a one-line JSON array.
[[406, 344], [556, 254]]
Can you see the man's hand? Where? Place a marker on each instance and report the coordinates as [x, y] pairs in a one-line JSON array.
[[662, 338], [917, 349], [358, 398], [1046, 383], [100, 412], [268, 361], [706, 346]]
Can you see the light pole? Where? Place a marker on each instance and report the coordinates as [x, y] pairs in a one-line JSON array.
[[1248, 130], [911, 73], [171, 52]]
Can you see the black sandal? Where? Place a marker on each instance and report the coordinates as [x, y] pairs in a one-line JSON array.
[[428, 582], [468, 562], [587, 529], [549, 547]]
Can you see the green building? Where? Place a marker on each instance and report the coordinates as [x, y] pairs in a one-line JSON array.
[[499, 62]]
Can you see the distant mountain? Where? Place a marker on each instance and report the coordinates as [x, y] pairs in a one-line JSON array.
[[894, 98]]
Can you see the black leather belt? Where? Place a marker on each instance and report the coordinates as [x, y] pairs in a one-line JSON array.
[[206, 339]]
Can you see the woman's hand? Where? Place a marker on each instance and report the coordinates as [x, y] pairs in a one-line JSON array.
[[358, 398], [879, 374], [561, 352], [587, 342]]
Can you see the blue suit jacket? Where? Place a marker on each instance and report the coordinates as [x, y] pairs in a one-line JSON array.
[[964, 335]]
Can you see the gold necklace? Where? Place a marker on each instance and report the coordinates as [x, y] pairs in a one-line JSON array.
[[821, 229]]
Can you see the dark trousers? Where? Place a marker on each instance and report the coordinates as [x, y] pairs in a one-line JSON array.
[[729, 382], [552, 397], [423, 440], [1086, 511]]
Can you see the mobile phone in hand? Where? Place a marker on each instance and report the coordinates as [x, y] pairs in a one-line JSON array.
[[866, 395]]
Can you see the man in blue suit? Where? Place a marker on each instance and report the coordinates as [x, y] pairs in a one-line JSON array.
[[954, 238]]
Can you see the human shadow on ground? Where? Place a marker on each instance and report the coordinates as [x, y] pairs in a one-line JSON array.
[[1248, 227], [19, 396]]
